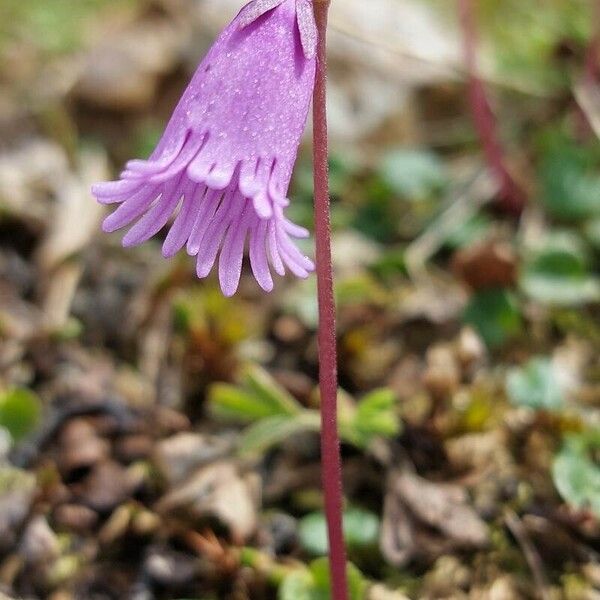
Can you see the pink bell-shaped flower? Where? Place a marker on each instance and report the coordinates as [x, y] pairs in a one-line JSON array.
[[225, 160]]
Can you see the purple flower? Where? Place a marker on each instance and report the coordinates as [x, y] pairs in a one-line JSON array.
[[226, 157]]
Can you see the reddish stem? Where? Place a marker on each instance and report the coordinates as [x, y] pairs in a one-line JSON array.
[[592, 67], [512, 196], [331, 464]]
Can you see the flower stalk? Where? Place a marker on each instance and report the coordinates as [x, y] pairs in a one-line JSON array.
[[331, 463], [592, 66], [512, 196]]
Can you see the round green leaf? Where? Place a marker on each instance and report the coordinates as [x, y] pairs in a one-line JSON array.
[[592, 232], [413, 174], [576, 471], [361, 529], [297, 586], [495, 315], [570, 181], [20, 411], [314, 583], [535, 385], [558, 274]]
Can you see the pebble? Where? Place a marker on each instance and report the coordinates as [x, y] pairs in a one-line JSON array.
[[39, 543], [179, 455], [80, 447], [107, 486], [169, 568], [133, 447], [75, 517]]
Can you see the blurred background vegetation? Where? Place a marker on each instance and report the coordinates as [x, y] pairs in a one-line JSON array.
[[160, 441]]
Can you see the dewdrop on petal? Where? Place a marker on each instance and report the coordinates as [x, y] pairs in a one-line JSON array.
[[226, 157]]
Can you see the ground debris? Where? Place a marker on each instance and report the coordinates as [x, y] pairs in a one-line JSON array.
[[17, 490], [422, 518], [220, 491]]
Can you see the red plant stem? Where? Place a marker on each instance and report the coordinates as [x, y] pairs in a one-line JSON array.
[[331, 463], [592, 68], [512, 196]]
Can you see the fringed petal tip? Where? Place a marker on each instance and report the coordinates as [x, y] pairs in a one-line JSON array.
[[217, 215], [198, 156]]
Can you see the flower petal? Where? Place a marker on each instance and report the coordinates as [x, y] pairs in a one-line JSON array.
[[299, 264], [258, 255], [210, 204], [257, 189], [156, 218], [209, 245], [221, 175], [274, 250], [189, 151], [109, 192], [227, 154], [131, 209], [151, 166], [232, 254], [295, 230], [248, 177], [183, 225]]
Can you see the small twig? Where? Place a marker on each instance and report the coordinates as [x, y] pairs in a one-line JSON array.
[[529, 551]]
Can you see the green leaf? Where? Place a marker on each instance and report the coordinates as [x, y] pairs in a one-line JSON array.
[[230, 402], [359, 289], [576, 471], [264, 387], [558, 274], [341, 169], [378, 215], [535, 385], [375, 416], [391, 263], [20, 411], [495, 315], [357, 584], [298, 585], [570, 180], [271, 431], [592, 232], [258, 397], [313, 584], [361, 529], [413, 174], [470, 231]]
